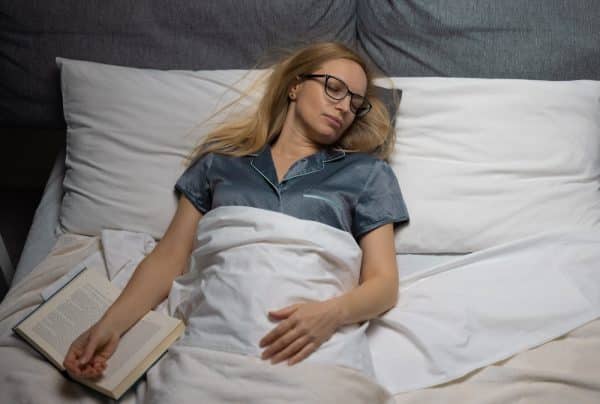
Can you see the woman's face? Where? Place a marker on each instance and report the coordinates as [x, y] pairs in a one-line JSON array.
[[320, 117]]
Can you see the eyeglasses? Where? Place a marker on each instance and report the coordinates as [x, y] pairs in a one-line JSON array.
[[338, 90]]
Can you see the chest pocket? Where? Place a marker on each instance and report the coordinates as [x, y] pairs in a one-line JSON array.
[[330, 201]]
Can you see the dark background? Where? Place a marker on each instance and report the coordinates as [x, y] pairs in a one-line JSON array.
[[26, 159]]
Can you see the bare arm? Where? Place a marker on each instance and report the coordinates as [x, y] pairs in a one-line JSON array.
[[152, 279], [148, 286], [378, 289]]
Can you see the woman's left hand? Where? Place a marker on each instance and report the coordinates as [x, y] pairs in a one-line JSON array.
[[302, 329]]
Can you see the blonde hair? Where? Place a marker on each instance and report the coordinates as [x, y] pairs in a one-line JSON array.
[[371, 133]]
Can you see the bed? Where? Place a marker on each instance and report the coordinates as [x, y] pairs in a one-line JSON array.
[[497, 155]]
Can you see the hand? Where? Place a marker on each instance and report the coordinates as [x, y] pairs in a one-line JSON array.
[[89, 352], [302, 329]]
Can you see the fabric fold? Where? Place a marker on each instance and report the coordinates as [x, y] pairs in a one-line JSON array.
[[248, 261], [478, 309], [451, 318]]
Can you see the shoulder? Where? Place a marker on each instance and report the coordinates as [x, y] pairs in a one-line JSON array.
[[363, 158], [373, 173], [203, 159], [217, 159], [366, 163]]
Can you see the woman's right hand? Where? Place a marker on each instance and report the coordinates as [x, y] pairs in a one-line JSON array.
[[89, 352]]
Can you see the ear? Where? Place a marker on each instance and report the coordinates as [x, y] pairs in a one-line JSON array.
[[296, 86], [293, 93]]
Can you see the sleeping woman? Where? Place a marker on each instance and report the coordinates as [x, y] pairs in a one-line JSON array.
[[301, 182]]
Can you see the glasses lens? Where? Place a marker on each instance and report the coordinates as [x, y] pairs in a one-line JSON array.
[[357, 102], [335, 88], [363, 110], [338, 90]]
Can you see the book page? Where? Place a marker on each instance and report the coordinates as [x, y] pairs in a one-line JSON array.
[[55, 325], [93, 262], [73, 316], [135, 345]]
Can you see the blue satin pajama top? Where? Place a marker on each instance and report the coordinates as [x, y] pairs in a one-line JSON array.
[[355, 192]]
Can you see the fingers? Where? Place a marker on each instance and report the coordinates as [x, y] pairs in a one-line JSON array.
[[304, 353], [90, 348], [70, 363], [291, 349], [72, 356], [94, 369], [303, 328], [277, 332], [283, 313], [82, 360], [76, 350], [281, 343]]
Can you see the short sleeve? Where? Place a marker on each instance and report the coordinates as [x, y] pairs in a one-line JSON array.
[[380, 201], [194, 183]]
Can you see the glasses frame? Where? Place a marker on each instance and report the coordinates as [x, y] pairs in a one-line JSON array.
[[358, 112]]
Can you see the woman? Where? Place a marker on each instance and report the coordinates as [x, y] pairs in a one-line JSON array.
[[318, 127]]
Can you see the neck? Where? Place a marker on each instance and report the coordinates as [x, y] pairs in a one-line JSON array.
[[292, 143]]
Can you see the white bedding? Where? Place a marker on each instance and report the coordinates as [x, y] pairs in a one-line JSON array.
[[248, 261], [450, 319], [216, 376], [436, 315], [475, 310], [191, 375]]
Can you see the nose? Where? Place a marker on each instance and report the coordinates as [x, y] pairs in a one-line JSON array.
[[343, 105]]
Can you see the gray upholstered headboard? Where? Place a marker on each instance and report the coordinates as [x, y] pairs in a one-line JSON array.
[[527, 39], [534, 39]]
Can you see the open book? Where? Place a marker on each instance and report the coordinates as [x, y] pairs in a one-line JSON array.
[[53, 326]]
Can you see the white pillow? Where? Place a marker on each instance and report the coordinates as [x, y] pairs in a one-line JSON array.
[[486, 161], [128, 134]]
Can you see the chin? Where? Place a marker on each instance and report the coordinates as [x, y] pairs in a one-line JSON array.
[[329, 135], [325, 135]]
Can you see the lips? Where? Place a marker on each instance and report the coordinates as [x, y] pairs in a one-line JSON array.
[[333, 120]]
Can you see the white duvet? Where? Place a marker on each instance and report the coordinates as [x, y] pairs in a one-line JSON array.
[[450, 319], [248, 261]]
